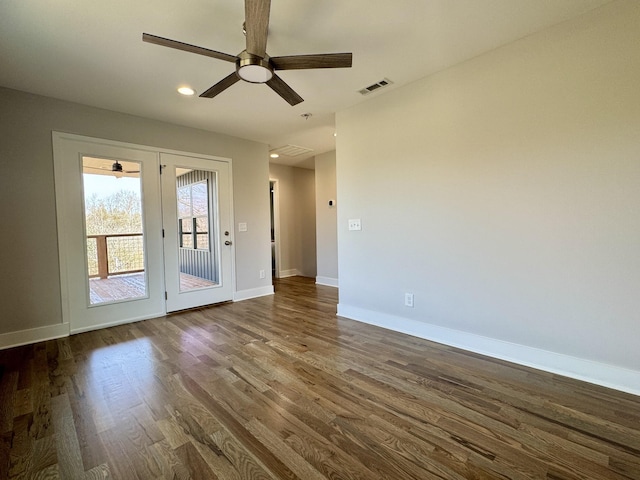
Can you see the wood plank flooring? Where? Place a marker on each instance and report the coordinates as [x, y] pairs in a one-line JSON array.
[[280, 388]]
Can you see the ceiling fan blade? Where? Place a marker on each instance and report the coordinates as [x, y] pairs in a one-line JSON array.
[[323, 60], [222, 85], [284, 90], [108, 171], [166, 42], [256, 14]]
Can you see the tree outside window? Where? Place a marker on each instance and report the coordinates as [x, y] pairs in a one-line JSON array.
[[193, 216]]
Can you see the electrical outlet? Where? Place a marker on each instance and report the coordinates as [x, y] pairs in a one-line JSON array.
[[354, 224], [262, 274], [408, 300]]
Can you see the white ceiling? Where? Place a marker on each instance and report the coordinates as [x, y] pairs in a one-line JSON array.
[[92, 53]]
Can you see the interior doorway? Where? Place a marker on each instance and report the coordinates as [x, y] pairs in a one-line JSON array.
[[275, 228], [141, 232]]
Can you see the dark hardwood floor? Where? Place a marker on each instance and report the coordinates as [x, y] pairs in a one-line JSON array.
[[280, 388]]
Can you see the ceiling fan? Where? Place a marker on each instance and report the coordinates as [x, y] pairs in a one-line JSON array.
[[116, 167], [253, 65]]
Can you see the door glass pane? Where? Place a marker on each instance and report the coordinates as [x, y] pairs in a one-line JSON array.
[[197, 226], [113, 228]]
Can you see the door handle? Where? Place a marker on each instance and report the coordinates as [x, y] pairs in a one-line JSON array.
[[228, 242]]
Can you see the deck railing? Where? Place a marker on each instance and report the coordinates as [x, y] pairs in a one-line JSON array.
[[115, 254]]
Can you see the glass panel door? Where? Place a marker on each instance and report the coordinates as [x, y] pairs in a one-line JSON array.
[[110, 232], [196, 215]]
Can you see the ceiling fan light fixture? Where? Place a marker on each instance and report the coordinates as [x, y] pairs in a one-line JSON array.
[[254, 69]]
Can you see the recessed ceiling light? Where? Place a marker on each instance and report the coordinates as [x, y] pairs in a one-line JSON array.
[[335, 134], [186, 91], [274, 155]]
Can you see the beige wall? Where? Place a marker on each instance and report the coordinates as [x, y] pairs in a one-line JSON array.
[[326, 219], [30, 283], [306, 220], [296, 190], [504, 193]]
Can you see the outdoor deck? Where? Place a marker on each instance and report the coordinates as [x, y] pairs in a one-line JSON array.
[[130, 286]]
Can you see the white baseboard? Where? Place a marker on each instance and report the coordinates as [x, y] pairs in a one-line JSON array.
[[610, 376], [289, 273], [328, 281], [117, 322], [253, 293], [33, 335]]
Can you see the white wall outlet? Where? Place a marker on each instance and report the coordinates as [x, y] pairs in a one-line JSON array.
[[262, 274], [354, 224], [242, 227], [408, 300]]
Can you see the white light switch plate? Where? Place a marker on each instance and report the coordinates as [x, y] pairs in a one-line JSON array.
[[354, 224], [242, 227]]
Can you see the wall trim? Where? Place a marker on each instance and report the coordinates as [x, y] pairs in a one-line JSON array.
[[294, 272], [33, 335], [119, 322], [606, 375], [253, 293], [327, 281]]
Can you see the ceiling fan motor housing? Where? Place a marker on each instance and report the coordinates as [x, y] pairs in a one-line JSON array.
[[253, 69]]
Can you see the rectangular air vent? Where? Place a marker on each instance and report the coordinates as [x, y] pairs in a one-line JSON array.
[[382, 83], [291, 150]]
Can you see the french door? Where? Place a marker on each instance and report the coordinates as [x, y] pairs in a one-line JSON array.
[[197, 231], [135, 244]]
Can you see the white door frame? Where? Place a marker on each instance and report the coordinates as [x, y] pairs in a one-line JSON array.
[[276, 222], [65, 250]]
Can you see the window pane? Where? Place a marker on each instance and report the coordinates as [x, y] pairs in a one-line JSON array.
[[186, 224], [202, 225], [202, 240], [199, 198], [184, 202], [187, 241]]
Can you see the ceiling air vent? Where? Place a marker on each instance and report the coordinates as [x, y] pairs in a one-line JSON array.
[[382, 83], [291, 150]]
